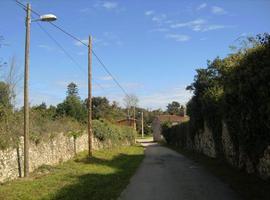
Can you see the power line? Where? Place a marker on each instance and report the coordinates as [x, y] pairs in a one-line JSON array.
[[107, 70], [65, 52], [73, 37], [56, 26], [80, 41]]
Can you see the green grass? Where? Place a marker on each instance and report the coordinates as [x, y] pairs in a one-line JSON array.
[[248, 186], [139, 136], [104, 176]]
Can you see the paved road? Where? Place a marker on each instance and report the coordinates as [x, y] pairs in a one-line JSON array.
[[167, 175]]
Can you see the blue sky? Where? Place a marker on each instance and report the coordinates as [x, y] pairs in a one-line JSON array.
[[152, 47]]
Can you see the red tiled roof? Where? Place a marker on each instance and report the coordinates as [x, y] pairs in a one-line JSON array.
[[172, 118]]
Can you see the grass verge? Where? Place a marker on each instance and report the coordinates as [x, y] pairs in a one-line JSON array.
[[103, 176], [248, 186]]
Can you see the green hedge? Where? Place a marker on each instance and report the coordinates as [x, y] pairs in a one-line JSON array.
[[235, 90], [107, 131], [176, 135], [43, 129]]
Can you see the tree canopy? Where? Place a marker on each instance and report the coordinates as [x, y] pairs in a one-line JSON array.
[[236, 90], [174, 108]]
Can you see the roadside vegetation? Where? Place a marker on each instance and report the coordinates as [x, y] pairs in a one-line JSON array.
[[69, 117], [234, 90], [104, 176]]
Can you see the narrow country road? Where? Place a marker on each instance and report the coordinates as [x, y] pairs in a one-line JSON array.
[[165, 174]]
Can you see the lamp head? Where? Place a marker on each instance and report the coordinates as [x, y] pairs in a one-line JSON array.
[[48, 18]]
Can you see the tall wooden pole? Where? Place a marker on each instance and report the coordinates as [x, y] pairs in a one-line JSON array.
[[142, 127], [26, 92], [134, 124], [90, 131]]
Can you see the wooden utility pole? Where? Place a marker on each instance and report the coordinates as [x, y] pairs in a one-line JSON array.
[[90, 131], [26, 91], [142, 127], [134, 123]]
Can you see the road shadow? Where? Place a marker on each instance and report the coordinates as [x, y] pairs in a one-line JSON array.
[[147, 142], [106, 185]]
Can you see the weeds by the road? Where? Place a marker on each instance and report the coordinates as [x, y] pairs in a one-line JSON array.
[[103, 176]]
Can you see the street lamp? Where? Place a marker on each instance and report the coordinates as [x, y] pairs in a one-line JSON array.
[[46, 18]]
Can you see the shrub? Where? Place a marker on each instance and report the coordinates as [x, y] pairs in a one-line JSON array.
[[235, 90], [176, 135], [106, 131]]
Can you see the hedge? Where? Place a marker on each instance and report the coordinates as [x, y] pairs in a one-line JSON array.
[[235, 90]]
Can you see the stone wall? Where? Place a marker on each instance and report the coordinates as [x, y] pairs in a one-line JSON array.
[[204, 143], [58, 149], [228, 146]]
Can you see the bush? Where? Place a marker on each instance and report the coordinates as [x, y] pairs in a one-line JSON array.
[[176, 135], [44, 127], [235, 90], [106, 131]]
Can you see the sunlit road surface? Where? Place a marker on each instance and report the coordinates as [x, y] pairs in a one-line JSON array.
[[167, 175]]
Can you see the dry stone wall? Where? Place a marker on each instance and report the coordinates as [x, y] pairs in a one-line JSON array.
[[204, 142], [58, 149]]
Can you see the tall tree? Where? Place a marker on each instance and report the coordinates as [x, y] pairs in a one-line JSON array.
[[182, 111], [72, 105], [101, 107], [13, 79], [72, 90], [4, 95], [130, 101], [173, 108]]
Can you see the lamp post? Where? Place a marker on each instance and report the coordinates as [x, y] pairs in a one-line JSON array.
[[46, 18], [89, 130], [142, 125]]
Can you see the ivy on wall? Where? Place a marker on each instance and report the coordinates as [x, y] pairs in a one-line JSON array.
[[235, 89]]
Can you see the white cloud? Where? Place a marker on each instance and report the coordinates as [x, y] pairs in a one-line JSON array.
[[203, 39], [64, 83], [77, 43], [200, 25], [106, 78], [106, 39], [160, 30], [158, 99], [213, 27], [178, 37], [159, 18], [161, 99], [202, 6], [218, 10], [192, 24], [149, 12], [109, 5], [84, 10], [100, 42], [44, 46], [132, 86]]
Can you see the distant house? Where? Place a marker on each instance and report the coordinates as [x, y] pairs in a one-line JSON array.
[[159, 120], [127, 122]]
